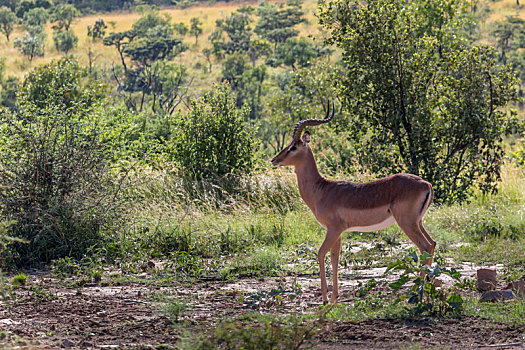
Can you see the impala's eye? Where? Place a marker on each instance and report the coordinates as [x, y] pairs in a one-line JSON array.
[[293, 148]]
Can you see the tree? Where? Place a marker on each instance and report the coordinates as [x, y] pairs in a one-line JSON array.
[[218, 43], [276, 22], [149, 80], [207, 53], [30, 45], [258, 48], [34, 20], [65, 41], [237, 28], [120, 41], [157, 44], [63, 15], [23, 7], [11, 4], [431, 103], [8, 93], [506, 32], [181, 28], [98, 30], [9, 88], [296, 51], [7, 21], [195, 28], [245, 82], [302, 94], [233, 69], [150, 20]]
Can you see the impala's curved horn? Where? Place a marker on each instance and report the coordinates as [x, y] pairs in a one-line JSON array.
[[299, 127]]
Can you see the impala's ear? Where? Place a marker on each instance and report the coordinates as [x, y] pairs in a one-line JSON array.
[[306, 137]]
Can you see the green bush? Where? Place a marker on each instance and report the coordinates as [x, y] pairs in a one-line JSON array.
[[65, 41], [213, 140], [54, 168]]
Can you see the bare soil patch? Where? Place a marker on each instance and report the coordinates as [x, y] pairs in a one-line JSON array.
[[127, 316], [464, 333]]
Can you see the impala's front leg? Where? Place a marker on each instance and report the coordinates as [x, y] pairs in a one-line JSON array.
[[334, 257], [331, 238]]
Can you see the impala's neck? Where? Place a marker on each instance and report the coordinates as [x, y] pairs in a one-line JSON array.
[[308, 178]]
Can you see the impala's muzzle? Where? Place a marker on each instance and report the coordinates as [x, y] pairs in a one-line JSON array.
[[274, 162]]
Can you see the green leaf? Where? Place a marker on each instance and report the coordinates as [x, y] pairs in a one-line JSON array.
[[452, 273], [455, 300], [424, 257], [399, 283], [396, 265], [413, 255]]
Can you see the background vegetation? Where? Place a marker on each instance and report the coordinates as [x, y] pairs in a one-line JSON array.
[[145, 133]]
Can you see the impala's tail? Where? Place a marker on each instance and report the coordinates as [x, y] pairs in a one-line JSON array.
[[428, 200]]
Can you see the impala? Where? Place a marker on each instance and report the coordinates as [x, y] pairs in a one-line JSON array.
[[347, 206]]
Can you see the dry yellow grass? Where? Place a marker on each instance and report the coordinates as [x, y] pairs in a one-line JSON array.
[[503, 8], [106, 56]]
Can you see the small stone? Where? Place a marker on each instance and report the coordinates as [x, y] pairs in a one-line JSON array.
[[66, 343], [519, 288], [147, 266], [486, 280], [496, 295], [9, 321]]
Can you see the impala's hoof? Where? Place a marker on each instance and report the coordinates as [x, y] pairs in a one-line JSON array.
[[325, 302]]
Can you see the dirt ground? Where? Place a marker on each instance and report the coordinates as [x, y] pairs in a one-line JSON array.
[[128, 316], [464, 333]]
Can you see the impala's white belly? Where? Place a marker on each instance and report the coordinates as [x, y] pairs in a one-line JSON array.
[[376, 227]]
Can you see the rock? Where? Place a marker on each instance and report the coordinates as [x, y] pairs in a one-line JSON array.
[[437, 282], [9, 321], [496, 295], [518, 287], [66, 343], [486, 280], [147, 266]]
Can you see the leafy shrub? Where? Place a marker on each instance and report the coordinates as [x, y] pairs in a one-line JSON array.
[[19, 280], [423, 294], [214, 140], [65, 41], [54, 173], [518, 156], [175, 309]]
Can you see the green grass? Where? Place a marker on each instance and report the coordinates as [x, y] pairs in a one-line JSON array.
[[254, 231], [258, 331], [19, 280], [509, 312]]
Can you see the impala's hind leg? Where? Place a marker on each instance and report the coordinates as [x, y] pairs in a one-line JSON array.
[[429, 238], [416, 235], [409, 218]]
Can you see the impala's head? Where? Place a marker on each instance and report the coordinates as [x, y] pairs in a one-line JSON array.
[[296, 150]]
